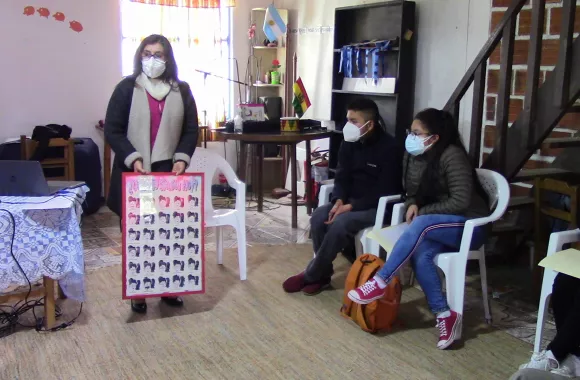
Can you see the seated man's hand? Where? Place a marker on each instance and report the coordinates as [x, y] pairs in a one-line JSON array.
[[336, 211]]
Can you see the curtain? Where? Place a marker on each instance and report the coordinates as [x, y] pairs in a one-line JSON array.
[[190, 3], [200, 39]]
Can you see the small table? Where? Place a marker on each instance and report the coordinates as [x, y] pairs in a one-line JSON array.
[[47, 244], [290, 139]]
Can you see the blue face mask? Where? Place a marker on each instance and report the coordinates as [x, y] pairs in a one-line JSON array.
[[415, 145]]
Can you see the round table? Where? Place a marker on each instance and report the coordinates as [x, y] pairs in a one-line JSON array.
[[290, 139]]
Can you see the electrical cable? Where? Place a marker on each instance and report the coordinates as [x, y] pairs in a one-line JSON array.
[[10, 314]]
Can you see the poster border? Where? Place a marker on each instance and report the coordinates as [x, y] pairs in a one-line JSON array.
[[123, 235]]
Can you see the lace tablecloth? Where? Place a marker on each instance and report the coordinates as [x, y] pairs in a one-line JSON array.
[[47, 240]]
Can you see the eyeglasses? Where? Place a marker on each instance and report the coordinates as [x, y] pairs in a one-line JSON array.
[[409, 132], [157, 55]]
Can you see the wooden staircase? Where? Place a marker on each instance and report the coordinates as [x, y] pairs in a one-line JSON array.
[[544, 106]]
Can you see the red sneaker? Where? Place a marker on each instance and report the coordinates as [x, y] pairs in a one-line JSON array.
[[449, 330], [294, 284], [366, 293]]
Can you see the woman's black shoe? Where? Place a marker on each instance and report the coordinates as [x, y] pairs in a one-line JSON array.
[[173, 301], [140, 308]]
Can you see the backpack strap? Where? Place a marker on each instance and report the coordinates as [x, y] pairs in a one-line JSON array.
[[369, 310], [350, 283]]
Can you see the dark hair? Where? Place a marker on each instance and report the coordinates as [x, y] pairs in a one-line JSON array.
[[440, 123], [367, 107], [170, 73], [370, 111]]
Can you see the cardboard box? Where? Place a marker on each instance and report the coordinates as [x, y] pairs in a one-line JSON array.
[[252, 112]]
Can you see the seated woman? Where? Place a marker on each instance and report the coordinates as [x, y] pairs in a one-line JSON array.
[[442, 193], [561, 359]]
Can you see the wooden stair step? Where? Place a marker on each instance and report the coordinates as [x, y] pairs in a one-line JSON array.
[[561, 142], [528, 174]]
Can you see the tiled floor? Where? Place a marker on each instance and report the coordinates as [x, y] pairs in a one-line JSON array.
[[513, 310]]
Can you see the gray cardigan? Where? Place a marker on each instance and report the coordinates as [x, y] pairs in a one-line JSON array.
[[455, 175]]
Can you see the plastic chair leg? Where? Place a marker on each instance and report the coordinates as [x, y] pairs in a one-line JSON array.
[[484, 291], [242, 259], [219, 245]]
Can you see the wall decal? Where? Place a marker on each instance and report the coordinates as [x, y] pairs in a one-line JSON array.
[[76, 26], [29, 11], [43, 12], [59, 16]]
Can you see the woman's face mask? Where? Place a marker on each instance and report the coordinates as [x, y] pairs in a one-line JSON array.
[[352, 133], [153, 67], [415, 145]]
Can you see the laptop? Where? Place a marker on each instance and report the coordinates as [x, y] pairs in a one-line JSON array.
[[26, 179]]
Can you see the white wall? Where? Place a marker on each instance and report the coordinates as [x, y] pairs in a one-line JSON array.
[[52, 74], [450, 35]]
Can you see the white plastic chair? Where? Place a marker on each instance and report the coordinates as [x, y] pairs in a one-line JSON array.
[[557, 240], [453, 264], [208, 163], [363, 244]]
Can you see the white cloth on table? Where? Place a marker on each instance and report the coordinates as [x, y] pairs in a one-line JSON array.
[[47, 240]]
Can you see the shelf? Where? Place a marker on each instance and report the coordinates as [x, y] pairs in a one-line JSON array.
[[267, 85], [385, 51], [268, 47], [259, 9], [365, 93]]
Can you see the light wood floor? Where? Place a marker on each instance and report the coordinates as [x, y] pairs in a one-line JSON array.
[[251, 330]]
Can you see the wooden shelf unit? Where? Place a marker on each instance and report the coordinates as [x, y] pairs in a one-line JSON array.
[[392, 20]]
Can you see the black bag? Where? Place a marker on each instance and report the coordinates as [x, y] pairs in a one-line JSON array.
[[43, 134]]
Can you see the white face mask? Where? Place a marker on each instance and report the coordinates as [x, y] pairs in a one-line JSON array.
[[352, 133], [415, 145], [153, 67]]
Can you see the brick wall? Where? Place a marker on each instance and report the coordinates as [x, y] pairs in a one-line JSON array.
[[570, 124]]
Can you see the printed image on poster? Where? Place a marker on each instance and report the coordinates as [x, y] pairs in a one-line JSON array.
[[163, 235]]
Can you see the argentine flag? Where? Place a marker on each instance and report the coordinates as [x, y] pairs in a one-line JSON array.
[[274, 27]]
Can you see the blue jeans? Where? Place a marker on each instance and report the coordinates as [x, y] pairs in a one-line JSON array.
[[427, 236]]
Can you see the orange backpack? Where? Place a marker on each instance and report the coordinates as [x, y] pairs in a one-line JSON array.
[[378, 315]]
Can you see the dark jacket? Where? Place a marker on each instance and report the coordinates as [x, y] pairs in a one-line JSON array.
[[460, 196], [368, 170], [117, 123]]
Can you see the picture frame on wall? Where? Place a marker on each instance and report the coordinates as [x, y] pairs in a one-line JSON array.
[[163, 235]]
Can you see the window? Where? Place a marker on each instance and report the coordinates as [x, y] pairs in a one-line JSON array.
[[200, 38]]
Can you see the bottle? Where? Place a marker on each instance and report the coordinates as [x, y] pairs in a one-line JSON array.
[[238, 122]]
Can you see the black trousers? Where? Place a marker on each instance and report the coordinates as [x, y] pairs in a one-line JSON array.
[[566, 306], [329, 240]]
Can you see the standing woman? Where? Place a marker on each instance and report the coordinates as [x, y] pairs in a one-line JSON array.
[[443, 192], [151, 124]]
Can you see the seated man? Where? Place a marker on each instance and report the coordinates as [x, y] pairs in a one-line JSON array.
[[562, 357], [369, 167]]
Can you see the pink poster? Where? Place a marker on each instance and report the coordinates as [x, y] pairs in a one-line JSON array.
[[163, 235]]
